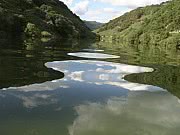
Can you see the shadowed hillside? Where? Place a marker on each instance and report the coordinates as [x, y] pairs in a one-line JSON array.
[[40, 19]]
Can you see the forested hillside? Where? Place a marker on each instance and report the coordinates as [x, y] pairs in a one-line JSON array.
[[93, 24], [40, 18], [156, 24]]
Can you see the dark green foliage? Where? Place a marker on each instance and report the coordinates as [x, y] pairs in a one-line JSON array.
[[62, 24], [155, 25], [38, 2], [13, 24], [51, 16]]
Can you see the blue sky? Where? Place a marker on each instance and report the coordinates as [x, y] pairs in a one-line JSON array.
[[105, 10]]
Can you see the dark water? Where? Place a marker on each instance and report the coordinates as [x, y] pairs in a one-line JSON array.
[[83, 88]]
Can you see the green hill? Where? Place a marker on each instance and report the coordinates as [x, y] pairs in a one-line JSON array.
[[40, 19], [93, 24], [155, 25]]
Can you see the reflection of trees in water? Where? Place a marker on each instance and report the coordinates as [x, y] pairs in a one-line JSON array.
[[159, 57], [139, 54], [22, 61], [17, 72], [167, 77], [23, 65]]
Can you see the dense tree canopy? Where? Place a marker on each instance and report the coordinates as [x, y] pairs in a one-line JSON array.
[[32, 17], [156, 24]]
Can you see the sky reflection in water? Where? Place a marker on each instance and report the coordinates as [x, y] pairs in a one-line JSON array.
[[84, 72], [93, 55], [104, 102]]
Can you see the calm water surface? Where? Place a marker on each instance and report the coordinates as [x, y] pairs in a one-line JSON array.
[[77, 88]]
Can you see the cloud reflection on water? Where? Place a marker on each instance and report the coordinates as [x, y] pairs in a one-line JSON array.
[[93, 55], [86, 72], [101, 73], [36, 100], [104, 102], [141, 113]]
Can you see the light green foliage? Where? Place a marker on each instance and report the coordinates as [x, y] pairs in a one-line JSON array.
[[151, 25], [31, 30], [45, 34], [63, 25], [46, 39]]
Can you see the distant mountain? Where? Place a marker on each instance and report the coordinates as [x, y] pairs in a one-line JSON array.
[[39, 19], [93, 24], [156, 24]]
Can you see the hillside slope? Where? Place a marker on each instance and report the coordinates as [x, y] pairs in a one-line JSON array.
[[93, 24], [156, 24], [40, 18]]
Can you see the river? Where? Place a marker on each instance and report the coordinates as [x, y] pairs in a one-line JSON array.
[[83, 88]]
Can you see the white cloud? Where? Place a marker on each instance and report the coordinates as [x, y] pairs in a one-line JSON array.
[[132, 3], [110, 10], [85, 72], [84, 10], [141, 113], [104, 14], [81, 8], [76, 76], [36, 100]]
